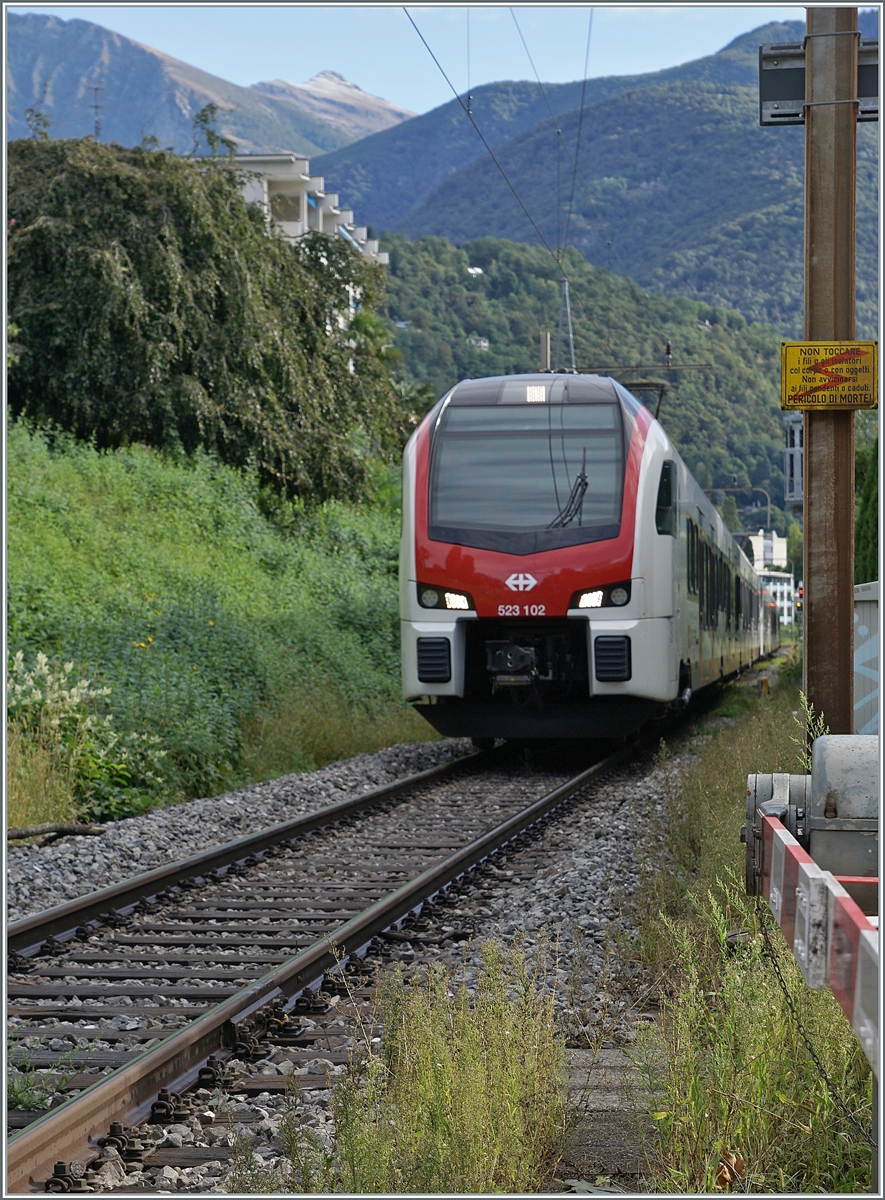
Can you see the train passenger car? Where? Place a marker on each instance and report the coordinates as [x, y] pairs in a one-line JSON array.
[[561, 572], [769, 624]]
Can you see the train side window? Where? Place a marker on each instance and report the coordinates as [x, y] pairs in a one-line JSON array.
[[665, 510], [696, 557], [691, 554]]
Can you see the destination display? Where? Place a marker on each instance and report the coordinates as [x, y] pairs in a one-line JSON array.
[[829, 375]]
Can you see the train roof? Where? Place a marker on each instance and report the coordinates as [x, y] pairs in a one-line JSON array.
[[526, 389]]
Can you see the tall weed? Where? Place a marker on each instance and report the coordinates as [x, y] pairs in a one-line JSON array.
[[737, 1100], [467, 1094], [727, 1073], [307, 730], [39, 784], [470, 1094]]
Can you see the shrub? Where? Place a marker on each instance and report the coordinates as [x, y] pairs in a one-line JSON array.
[[110, 773], [228, 621]]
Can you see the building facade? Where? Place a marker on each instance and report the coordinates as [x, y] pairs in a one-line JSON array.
[[298, 202], [769, 549], [780, 585]]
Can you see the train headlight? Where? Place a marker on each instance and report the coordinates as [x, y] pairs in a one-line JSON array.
[[434, 597], [616, 594], [456, 600], [590, 599]]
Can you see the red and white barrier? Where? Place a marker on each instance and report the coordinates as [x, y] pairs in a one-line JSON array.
[[833, 942]]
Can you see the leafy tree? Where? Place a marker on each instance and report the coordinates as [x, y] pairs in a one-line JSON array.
[[204, 124], [12, 348], [156, 306], [795, 550], [38, 122], [729, 512], [866, 524]]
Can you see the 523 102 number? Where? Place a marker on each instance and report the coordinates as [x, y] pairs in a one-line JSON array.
[[522, 610]]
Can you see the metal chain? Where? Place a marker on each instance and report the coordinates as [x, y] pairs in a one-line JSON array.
[[769, 953]]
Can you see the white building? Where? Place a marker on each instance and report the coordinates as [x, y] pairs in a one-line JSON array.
[[298, 202], [780, 584], [769, 550]]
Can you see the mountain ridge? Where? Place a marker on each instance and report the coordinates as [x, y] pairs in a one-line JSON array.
[[333, 98], [145, 91], [388, 174]]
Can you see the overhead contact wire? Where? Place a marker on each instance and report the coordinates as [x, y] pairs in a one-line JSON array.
[[571, 199], [491, 152], [572, 160]]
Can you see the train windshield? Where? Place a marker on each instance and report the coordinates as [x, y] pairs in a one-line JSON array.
[[522, 478]]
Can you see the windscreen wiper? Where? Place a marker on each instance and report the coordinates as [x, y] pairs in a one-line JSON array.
[[575, 503]]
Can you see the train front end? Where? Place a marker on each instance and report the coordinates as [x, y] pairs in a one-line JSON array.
[[531, 606]]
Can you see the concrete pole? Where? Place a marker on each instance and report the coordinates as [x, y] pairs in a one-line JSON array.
[[545, 350], [830, 200]]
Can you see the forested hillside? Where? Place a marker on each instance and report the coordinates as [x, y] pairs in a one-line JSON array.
[[726, 420], [684, 192]]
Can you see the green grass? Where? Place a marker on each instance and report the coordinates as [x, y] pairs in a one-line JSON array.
[[34, 1090], [241, 630], [38, 785], [726, 1072]]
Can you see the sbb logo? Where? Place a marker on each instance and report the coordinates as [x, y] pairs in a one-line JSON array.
[[521, 582]]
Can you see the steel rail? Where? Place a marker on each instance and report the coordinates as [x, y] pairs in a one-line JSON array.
[[63, 920], [126, 1095]]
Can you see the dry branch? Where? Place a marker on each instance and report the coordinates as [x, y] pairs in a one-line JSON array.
[[14, 835]]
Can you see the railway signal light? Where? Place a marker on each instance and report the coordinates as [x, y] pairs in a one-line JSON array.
[[800, 595]]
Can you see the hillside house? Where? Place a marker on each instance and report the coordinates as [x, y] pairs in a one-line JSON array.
[[298, 202]]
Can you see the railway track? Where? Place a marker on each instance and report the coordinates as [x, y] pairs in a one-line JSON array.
[[163, 978]]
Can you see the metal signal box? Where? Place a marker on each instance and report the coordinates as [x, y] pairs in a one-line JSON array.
[[782, 82]]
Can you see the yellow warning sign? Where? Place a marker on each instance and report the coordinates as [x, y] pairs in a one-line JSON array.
[[828, 375]]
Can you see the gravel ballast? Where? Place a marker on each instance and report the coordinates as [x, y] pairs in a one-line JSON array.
[[41, 877], [572, 883], [577, 902]]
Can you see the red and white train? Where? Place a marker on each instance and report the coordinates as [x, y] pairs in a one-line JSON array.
[[561, 572]]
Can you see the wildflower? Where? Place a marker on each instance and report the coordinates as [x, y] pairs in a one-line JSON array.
[[211, 622], [150, 639]]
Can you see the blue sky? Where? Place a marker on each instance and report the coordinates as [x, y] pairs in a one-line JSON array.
[[376, 47]]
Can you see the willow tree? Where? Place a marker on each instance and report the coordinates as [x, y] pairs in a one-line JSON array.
[[154, 305]]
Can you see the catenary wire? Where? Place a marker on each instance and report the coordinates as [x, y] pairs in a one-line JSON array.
[[491, 152], [571, 199], [563, 142]]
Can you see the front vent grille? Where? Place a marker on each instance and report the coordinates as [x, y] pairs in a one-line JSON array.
[[434, 660], [612, 659]]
